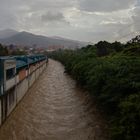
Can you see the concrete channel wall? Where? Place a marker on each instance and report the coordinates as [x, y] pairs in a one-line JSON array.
[[22, 88], [17, 75]]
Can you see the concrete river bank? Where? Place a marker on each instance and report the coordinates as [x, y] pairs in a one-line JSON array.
[[54, 109]]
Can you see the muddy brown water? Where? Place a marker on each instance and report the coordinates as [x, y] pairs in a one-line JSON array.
[[54, 109]]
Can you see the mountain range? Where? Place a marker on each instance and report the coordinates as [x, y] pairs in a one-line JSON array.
[[23, 38]]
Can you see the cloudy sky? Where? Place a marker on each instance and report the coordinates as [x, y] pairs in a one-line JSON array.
[[85, 20]]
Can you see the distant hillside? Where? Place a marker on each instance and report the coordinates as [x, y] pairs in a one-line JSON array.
[[29, 39], [7, 33]]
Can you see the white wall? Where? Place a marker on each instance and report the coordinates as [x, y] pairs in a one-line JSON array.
[[31, 79], [44, 66], [41, 70], [22, 89], [12, 106], [17, 79], [37, 73], [10, 83]]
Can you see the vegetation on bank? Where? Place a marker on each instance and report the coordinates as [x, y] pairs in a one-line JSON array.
[[4, 51], [111, 73]]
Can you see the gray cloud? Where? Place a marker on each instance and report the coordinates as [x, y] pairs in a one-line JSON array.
[[136, 19], [106, 5], [53, 17], [88, 20]]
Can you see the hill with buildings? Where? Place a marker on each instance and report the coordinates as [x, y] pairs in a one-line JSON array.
[[9, 36]]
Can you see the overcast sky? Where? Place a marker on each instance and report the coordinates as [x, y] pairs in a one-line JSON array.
[[85, 20]]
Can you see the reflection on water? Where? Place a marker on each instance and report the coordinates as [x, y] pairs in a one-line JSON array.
[[54, 109]]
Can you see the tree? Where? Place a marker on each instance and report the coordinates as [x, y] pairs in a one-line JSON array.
[[102, 48], [3, 50]]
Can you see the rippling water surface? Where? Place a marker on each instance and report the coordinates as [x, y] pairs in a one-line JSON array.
[[54, 109]]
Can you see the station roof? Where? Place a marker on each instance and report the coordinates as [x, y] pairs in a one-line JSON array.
[[6, 58], [20, 63], [24, 60]]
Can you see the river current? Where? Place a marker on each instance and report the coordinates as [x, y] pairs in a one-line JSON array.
[[54, 108]]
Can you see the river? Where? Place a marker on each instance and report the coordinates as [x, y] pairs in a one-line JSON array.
[[54, 108]]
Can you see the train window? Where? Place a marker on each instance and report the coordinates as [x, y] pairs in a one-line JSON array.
[[10, 73]]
